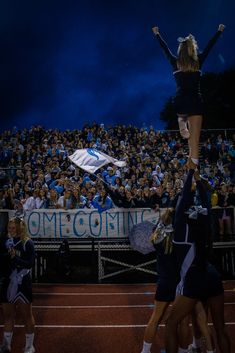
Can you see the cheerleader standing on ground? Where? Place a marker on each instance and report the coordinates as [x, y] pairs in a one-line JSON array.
[[168, 278], [187, 73], [17, 286]]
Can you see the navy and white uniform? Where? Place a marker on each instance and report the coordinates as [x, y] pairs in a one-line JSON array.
[[198, 278], [168, 274], [16, 283], [188, 100]]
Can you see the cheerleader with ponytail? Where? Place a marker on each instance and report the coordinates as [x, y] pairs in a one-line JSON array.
[[16, 291], [168, 275], [188, 101]]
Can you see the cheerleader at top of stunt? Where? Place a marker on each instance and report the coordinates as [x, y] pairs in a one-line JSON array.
[[188, 102]]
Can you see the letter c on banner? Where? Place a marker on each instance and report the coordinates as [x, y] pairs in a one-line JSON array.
[[76, 224]]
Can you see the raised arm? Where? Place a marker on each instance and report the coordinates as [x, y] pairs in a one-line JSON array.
[[164, 46], [210, 44], [185, 198], [202, 191], [116, 197]]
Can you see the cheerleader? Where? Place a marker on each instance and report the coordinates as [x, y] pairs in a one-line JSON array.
[[199, 279], [188, 102], [168, 277], [16, 290]]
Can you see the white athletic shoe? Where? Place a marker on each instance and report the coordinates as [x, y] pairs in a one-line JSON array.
[[29, 350], [183, 127], [184, 132]]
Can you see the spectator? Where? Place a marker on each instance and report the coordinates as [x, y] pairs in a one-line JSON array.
[[52, 199], [29, 202], [41, 200], [225, 214], [110, 178], [102, 201]]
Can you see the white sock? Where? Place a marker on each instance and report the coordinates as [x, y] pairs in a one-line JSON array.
[[7, 338], [196, 342], [195, 161], [182, 124], [146, 347], [29, 337], [182, 350]]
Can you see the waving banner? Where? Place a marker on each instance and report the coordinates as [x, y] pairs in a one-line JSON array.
[[90, 159]]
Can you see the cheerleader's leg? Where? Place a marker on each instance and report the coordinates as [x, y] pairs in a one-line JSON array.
[[195, 123]]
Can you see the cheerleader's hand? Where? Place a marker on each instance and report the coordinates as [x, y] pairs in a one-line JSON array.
[[221, 27], [155, 30], [196, 175], [190, 164], [12, 253]]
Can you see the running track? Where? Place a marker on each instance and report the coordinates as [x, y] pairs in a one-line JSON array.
[[98, 318]]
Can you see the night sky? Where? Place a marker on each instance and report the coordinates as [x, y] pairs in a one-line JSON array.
[[66, 63]]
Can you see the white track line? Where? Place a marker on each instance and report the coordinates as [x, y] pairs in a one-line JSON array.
[[96, 284], [104, 293], [96, 293], [104, 284], [69, 307], [101, 326], [91, 306], [99, 306]]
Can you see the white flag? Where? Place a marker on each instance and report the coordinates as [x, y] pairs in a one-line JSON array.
[[91, 160]]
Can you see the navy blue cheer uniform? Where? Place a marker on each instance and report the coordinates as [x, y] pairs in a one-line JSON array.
[[16, 278], [188, 100], [168, 274], [198, 278]]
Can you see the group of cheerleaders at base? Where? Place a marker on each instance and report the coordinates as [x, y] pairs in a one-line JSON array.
[[185, 277]]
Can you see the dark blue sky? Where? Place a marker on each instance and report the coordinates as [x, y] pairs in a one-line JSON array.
[[64, 63]]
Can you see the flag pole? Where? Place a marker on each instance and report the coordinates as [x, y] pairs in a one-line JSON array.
[[101, 179]]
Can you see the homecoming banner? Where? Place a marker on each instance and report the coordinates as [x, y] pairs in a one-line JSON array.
[[83, 223]]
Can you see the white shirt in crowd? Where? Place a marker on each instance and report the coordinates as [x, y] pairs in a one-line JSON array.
[[29, 204]]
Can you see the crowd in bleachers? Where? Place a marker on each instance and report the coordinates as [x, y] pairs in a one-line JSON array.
[[35, 171]]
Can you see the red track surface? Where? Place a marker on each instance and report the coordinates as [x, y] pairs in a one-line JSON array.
[[98, 318]]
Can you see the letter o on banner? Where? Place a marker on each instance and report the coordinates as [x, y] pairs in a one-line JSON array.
[[95, 223], [34, 220]]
